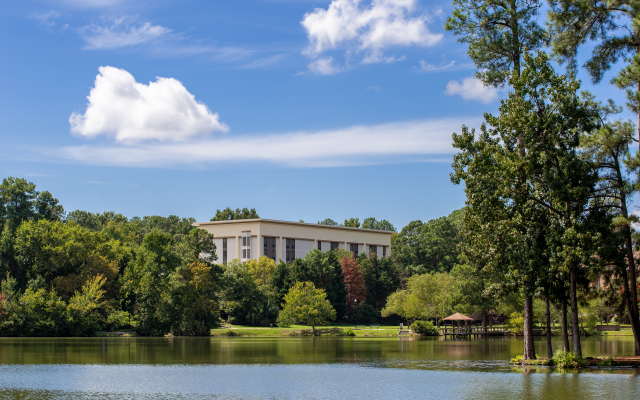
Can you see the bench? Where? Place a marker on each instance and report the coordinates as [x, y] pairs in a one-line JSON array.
[[377, 326], [361, 327]]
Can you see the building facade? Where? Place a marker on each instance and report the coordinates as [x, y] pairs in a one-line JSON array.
[[249, 239]]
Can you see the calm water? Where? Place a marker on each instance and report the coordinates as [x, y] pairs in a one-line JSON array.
[[292, 368]]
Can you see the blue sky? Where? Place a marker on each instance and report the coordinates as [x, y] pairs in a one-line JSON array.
[[300, 109]]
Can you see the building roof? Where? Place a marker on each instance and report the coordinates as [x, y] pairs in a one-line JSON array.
[[458, 317], [274, 221]]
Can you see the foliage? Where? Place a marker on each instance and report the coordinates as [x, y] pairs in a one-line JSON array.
[[228, 214], [304, 304], [382, 225], [243, 300], [428, 247], [328, 221], [428, 296], [497, 33], [381, 279], [195, 300], [262, 269], [566, 360], [118, 320], [516, 322], [351, 223], [34, 313], [363, 313], [83, 312], [354, 283], [425, 328]]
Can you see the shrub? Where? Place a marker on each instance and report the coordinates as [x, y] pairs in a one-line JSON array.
[[83, 311], [35, 313], [118, 320], [516, 322], [567, 360], [425, 328]]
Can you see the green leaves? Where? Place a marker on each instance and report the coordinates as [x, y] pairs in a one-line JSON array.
[[304, 304]]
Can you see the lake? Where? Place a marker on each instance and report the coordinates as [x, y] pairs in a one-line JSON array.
[[299, 368]]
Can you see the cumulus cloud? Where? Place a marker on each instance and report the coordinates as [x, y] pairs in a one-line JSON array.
[[120, 32], [408, 141], [132, 112], [472, 89], [368, 26]]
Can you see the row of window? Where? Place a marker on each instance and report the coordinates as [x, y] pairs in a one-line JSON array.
[[290, 253]]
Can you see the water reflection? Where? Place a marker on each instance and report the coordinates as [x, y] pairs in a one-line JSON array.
[[265, 368]]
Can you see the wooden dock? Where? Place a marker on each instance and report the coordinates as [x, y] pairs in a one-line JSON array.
[[470, 331]]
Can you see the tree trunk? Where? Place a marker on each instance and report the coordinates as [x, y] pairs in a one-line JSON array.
[[548, 318], [529, 348], [631, 289], [313, 329], [633, 321], [565, 329], [484, 320], [575, 328]]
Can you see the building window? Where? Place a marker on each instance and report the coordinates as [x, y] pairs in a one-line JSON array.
[[291, 250], [270, 247], [373, 249], [224, 250], [246, 246], [335, 245], [319, 245], [384, 251], [354, 249]]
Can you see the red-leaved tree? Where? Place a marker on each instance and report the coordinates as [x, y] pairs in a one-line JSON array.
[[353, 282]]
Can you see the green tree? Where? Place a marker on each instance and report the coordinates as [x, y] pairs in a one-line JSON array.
[[614, 27], [497, 34], [352, 223], [228, 214], [427, 296], [243, 300], [328, 221], [148, 279], [609, 148], [262, 269], [428, 247], [195, 299], [84, 317], [306, 305], [383, 225], [526, 169], [19, 202]]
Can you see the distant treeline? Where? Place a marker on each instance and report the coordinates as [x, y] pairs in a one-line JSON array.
[[78, 273]]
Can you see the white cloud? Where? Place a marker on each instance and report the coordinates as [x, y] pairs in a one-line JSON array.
[[120, 32], [409, 141], [47, 19], [472, 89], [324, 66], [131, 112], [451, 66], [93, 3], [368, 26]]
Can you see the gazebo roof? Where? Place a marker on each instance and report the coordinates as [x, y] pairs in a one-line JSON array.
[[458, 317]]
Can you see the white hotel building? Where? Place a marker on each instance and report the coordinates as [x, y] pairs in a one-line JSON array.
[[249, 239]]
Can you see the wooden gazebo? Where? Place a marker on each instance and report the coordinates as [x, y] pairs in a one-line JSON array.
[[457, 317]]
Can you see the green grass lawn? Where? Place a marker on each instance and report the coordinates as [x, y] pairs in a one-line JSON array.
[[302, 330]]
